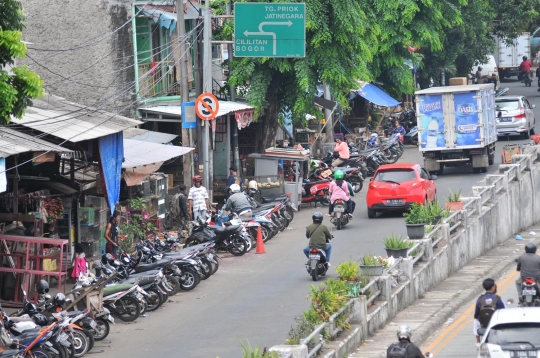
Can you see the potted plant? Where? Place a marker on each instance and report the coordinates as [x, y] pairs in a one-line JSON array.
[[397, 246], [349, 273], [435, 212], [370, 265], [415, 219], [453, 201]]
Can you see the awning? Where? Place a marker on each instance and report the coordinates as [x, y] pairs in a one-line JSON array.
[[225, 107], [148, 136], [376, 95], [72, 122], [14, 142], [143, 158], [166, 15]]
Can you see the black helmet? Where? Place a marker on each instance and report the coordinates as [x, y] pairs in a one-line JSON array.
[[60, 299], [42, 287], [317, 217], [524, 58], [530, 248], [40, 319]]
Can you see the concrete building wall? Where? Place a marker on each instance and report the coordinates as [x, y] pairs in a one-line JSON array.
[[99, 72]]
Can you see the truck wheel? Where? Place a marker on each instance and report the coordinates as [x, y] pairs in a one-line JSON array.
[[491, 159], [476, 170], [483, 170], [526, 135]]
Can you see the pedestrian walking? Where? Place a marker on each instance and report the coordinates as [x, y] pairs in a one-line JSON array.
[[198, 201]]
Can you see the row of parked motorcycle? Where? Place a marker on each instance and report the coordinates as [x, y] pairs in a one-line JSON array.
[[135, 284]]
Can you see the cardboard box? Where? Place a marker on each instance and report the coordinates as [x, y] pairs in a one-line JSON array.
[[458, 81], [508, 151]]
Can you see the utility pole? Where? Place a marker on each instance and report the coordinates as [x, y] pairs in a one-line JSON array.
[[232, 90], [207, 87], [184, 89], [328, 115]]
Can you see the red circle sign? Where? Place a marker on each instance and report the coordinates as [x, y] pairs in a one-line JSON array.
[[207, 106]]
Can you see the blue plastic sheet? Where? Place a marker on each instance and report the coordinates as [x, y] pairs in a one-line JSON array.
[[3, 179], [377, 96], [111, 153]]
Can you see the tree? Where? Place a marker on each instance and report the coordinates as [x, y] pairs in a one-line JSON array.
[[20, 86], [341, 38]]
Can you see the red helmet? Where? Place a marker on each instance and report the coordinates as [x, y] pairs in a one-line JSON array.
[[197, 179]]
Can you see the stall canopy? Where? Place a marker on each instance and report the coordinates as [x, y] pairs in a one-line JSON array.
[[143, 158], [376, 95], [148, 136]]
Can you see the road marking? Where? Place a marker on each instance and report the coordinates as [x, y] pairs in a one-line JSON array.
[[466, 318]]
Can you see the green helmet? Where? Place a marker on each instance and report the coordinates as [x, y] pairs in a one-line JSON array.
[[338, 174], [313, 164]]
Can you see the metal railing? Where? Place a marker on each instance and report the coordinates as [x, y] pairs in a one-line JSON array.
[[157, 79], [484, 194]]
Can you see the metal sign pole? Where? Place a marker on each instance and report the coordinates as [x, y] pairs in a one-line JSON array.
[[207, 87]]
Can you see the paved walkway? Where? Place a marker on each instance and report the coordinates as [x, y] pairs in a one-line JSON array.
[[429, 313]]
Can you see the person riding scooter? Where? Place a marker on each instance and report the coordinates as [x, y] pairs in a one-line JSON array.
[[238, 203], [319, 236], [339, 189], [404, 348], [524, 68], [528, 265]]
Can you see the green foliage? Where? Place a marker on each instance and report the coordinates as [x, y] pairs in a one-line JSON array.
[[348, 271], [453, 197], [249, 352], [435, 209], [370, 260], [135, 224], [417, 214], [302, 329], [17, 89], [396, 242]]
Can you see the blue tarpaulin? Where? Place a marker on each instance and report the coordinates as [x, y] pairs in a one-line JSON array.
[[376, 95], [111, 153], [164, 18]]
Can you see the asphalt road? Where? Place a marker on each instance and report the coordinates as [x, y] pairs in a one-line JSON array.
[[256, 297]]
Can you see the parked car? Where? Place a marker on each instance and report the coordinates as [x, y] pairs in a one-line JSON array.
[[490, 71], [515, 116], [396, 186], [512, 332]]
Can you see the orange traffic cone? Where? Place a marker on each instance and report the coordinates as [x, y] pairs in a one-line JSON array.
[[260, 243]]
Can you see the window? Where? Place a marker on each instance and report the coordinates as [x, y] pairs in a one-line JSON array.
[[515, 333], [423, 174], [221, 130], [395, 175], [508, 105]]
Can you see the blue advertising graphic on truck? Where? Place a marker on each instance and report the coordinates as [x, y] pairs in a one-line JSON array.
[[432, 122], [467, 126]]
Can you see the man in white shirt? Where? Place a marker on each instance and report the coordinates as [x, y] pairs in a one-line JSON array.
[[198, 199]]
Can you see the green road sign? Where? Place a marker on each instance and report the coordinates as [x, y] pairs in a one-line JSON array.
[[269, 29]]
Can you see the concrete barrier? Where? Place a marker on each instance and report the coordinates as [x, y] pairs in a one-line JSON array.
[[502, 204]]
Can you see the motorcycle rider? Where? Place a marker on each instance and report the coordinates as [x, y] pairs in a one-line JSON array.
[[529, 266], [398, 129], [343, 152], [319, 236], [238, 203], [524, 67], [339, 189], [404, 348]]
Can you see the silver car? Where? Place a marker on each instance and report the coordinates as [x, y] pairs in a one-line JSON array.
[[514, 116]]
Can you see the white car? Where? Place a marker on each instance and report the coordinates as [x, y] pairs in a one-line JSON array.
[[512, 333], [515, 116]]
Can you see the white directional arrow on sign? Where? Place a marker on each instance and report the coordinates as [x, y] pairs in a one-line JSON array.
[[266, 33]]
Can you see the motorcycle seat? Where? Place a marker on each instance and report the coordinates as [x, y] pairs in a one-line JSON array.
[[144, 273], [271, 198], [144, 280], [366, 151], [148, 267], [27, 336], [109, 290], [10, 353], [224, 230]]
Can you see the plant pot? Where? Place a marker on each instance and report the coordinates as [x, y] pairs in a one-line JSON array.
[[396, 252], [454, 205], [371, 270], [415, 231]]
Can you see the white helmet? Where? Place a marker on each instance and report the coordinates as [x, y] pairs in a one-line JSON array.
[[235, 188], [374, 135], [404, 332], [253, 184]]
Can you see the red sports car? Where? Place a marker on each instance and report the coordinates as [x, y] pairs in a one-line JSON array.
[[397, 186]]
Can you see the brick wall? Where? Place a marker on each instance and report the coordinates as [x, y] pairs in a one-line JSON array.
[[53, 24]]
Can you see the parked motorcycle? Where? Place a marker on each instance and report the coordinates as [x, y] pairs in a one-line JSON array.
[[316, 265], [226, 238], [316, 192], [412, 136]]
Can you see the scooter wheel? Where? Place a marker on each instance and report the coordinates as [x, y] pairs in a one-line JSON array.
[[103, 331]]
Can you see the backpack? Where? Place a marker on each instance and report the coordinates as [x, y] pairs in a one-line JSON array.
[[397, 351], [486, 310]]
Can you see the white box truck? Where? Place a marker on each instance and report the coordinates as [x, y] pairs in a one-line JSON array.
[[510, 56], [457, 126]]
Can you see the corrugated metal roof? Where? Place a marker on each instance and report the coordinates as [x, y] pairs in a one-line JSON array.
[[148, 136], [72, 122], [139, 153], [14, 142], [225, 107]]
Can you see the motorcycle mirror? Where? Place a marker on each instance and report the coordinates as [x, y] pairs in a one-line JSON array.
[[510, 301], [533, 105]]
